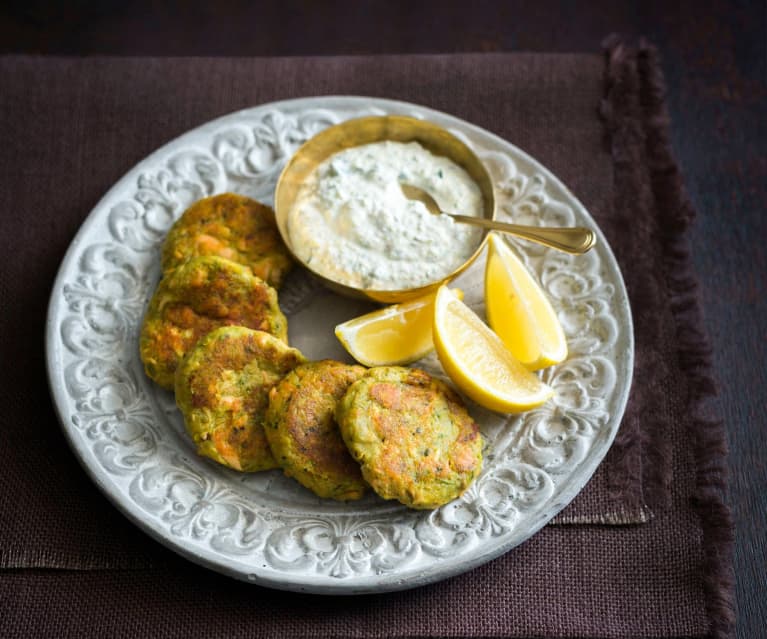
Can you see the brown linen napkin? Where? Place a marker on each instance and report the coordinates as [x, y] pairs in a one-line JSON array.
[[71, 127]]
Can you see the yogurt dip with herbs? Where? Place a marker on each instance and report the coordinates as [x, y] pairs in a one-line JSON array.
[[352, 224]]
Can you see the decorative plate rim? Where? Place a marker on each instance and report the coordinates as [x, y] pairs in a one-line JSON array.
[[434, 567]]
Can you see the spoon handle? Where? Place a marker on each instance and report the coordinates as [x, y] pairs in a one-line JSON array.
[[575, 239]]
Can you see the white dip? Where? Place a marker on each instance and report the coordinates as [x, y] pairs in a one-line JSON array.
[[352, 224]]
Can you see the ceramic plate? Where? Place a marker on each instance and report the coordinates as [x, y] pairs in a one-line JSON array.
[[263, 527]]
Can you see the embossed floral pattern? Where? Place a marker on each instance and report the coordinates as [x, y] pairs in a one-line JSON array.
[[341, 546], [194, 506]]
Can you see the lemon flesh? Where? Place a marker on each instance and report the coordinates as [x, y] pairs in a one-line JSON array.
[[519, 311], [478, 362], [393, 336]]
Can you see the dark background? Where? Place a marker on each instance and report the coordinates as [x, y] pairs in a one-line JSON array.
[[714, 57]]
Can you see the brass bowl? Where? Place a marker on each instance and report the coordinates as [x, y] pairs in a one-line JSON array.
[[367, 130]]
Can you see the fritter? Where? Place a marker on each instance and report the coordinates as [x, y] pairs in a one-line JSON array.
[[193, 299], [230, 226], [222, 389], [302, 430], [412, 436]]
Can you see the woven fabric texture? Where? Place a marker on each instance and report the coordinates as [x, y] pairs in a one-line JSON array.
[[72, 127]]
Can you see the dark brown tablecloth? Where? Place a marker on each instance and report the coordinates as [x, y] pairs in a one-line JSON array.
[[71, 565]]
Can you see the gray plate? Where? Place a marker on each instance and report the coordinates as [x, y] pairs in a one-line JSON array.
[[265, 528]]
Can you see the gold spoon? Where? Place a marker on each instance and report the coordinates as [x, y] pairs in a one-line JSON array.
[[574, 239]]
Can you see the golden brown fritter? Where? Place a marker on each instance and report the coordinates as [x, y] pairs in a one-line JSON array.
[[231, 226], [302, 430], [412, 436], [222, 389], [193, 299]]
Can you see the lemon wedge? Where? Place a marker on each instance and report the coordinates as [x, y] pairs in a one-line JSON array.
[[477, 361], [392, 336], [519, 311]]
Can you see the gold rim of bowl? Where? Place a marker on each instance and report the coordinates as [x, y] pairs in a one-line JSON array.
[[367, 130]]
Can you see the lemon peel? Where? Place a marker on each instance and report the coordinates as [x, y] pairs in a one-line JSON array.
[[478, 362], [519, 311], [392, 336]]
